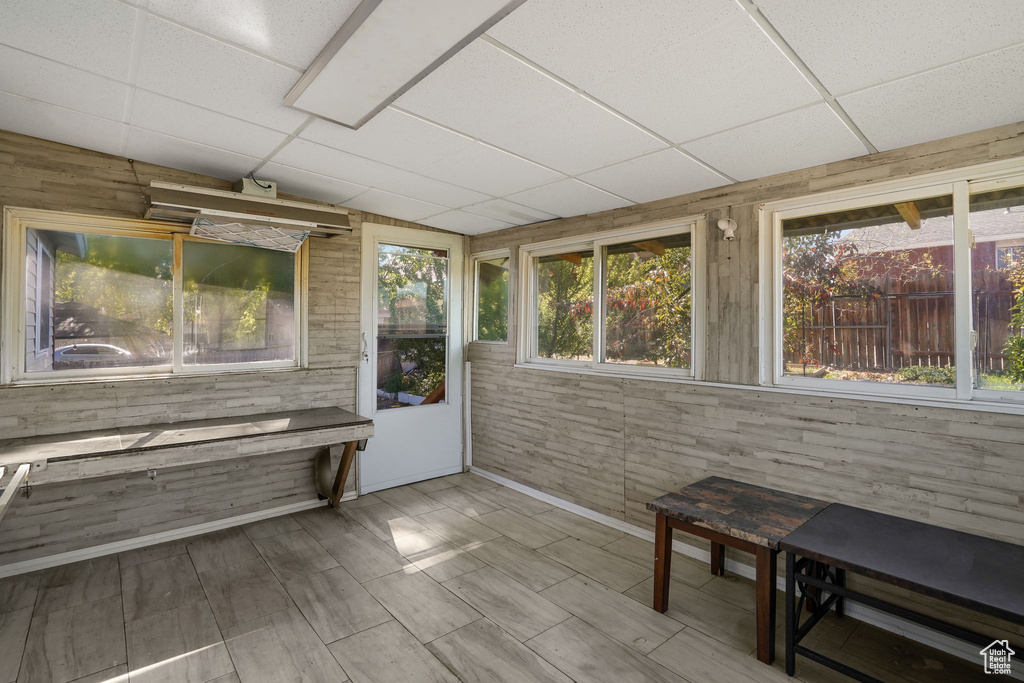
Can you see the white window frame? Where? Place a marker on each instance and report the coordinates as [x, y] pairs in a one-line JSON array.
[[526, 351], [474, 261], [958, 183], [13, 342], [41, 346]]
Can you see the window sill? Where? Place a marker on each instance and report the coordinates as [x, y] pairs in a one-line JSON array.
[[652, 373], [1008, 407], [107, 379]]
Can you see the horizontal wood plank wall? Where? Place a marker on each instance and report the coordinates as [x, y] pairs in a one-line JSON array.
[[559, 432], [46, 175]]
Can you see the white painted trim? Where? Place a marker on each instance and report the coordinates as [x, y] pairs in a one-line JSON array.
[[860, 612], [467, 415], [59, 559]]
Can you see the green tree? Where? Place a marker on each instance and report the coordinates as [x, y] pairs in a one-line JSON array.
[[565, 320]]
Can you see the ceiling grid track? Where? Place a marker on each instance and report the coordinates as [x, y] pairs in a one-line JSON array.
[[138, 36], [780, 42]]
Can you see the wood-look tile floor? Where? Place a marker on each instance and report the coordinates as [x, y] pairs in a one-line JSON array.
[[447, 580]]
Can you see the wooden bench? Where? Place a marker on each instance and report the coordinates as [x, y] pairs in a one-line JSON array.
[[963, 569], [742, 516], [109, 452]]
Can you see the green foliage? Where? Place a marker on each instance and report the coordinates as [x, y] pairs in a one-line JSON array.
[[492, 304], [649, 307], [565, 320], [923, 374], [1014, 349]]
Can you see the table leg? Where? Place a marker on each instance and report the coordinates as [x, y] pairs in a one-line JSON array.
[[765, 560], [662, 562], [717, 559], [841, 601], [790, 613], [347, 456]]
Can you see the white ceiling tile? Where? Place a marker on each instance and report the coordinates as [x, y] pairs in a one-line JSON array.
[[427, 189], [489, 170], [293, 32], [331, 162], [95, 35], [481, 90], [155, 148], [393, 205], [41, 79], [465, 223], [40, 120], [508, 212], [852, 45], [967, 96], [580, 137], [309, 156], [718, 80], [799, 139], [391, 137], [663, 174], [163, 115], [309, 185], [569, 198], [190, 67], [589, 41]]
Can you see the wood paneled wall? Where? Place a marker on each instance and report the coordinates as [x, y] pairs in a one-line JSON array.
[[613, 444], [46, 175]]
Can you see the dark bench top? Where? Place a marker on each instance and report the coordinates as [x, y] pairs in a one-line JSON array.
[[968, 570], [760, 515], [119, 441]]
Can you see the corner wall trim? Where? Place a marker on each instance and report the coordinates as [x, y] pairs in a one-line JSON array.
[[862, 613], [71, 556]]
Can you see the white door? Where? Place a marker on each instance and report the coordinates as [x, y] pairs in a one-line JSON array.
[[410, 371]]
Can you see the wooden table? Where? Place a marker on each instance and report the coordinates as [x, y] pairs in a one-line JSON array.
[[109, 452], [971, 571], [729, 513]]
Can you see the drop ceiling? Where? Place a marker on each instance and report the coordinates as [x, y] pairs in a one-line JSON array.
[[564, 107]]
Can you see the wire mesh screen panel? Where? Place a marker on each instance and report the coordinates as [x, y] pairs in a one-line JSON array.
[[249, 234]]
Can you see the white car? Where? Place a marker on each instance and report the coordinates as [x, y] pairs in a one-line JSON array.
[[89, 356]]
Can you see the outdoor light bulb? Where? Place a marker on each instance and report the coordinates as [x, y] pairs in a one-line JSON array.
[[727, 226]]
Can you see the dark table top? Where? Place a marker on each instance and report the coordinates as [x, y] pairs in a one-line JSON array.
[[757, 514], [56, 447], [973, 571]]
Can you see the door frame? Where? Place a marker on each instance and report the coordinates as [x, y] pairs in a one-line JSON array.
[[372, 235]]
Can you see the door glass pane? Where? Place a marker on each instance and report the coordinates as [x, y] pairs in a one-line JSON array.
[[648, 302], [97, 301], [868, 294], [239, 304], [412, 326], [997, 278], [492, 299], [565, 305]]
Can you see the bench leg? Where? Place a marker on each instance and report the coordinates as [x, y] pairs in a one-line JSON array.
[[662, 562], [347, 456], [791, 614], [717, 559], [765, 560]]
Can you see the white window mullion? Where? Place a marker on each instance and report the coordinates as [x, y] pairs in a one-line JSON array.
[[962, 285]]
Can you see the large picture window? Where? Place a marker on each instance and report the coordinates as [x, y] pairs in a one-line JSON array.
[[621, 302], [910, 292], [114, 298]]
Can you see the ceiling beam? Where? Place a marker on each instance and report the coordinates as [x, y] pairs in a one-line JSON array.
[[910, 213]]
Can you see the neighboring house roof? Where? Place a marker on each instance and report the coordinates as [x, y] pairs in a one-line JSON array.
[[991, 226]]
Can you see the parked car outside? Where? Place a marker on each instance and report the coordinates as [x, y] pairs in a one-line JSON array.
[[78, 356]]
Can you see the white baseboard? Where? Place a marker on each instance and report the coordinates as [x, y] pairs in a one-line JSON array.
[[69, 557], [868, 615]]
